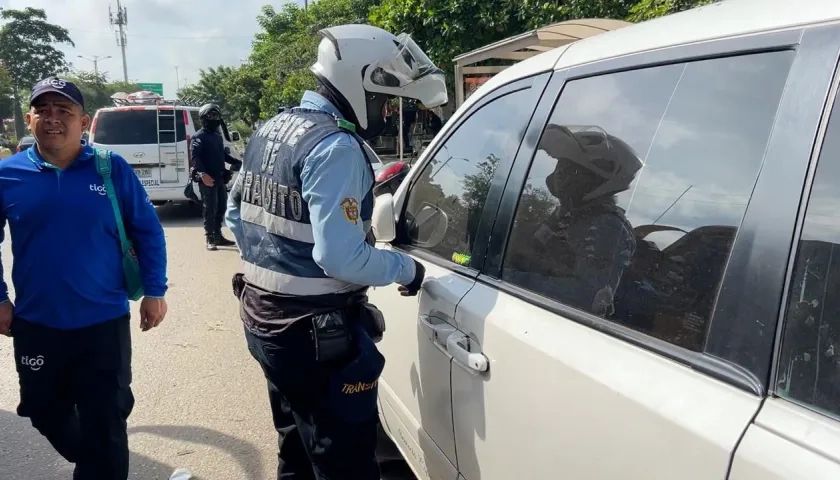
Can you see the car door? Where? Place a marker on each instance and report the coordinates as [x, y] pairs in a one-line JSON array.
[[616, 246], [796, 435], [452, 188], [171, 144]]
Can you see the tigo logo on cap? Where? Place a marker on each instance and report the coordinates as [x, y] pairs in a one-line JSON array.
[[59, 86], [53, 82]]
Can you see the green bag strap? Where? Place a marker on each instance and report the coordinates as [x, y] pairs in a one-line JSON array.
[[103, 166]]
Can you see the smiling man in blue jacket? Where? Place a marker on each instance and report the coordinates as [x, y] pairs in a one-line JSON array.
[[70, 317]]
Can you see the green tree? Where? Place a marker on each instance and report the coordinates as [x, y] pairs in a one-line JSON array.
[[209, 87], [7, 104], [244, 129], [477, 185], [287, 46], [649, 9], [98, 88], [243, 91], [448, 28], [278, 69], [237, 91], [28, 53]]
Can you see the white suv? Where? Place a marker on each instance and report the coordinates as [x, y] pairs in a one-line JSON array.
[[629, 247], [155, 140]]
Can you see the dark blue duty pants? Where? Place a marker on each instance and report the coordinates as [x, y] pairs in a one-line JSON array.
[[321, 435], [75, 389]]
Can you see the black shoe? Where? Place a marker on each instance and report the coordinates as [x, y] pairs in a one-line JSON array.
[[211, 245], [224, 242]]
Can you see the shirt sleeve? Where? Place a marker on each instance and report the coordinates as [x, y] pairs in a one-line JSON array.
[[196, 150], [335, 178], [233, 220], [142, 227], [231, 159]]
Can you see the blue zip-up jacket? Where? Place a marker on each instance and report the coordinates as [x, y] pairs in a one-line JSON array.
[[67, 269], [334, 170]]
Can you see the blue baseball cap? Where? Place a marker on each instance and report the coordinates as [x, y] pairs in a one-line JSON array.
[[60, 86]]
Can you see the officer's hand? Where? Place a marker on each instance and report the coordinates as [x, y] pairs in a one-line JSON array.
[[7, 312], [412, 288], [152, 311], [207, 180]]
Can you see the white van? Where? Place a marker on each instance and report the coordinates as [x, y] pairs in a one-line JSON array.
[[629, 249], [155, 140]]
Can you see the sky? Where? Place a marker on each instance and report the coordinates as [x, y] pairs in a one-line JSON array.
[[161, 34]]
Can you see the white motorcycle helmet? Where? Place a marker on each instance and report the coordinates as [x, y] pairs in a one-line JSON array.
[[590, 162], [363, 66]]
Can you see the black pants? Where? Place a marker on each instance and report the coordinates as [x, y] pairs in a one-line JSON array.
[[316, 441], [75, 389], [214, 200]]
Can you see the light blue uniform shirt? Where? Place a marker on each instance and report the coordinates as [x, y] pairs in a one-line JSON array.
[[335, 170]]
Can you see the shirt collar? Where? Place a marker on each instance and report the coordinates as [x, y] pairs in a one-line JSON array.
[[316, 101], [86, 153]]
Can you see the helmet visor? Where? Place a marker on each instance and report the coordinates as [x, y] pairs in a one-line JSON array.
[[411, 70]]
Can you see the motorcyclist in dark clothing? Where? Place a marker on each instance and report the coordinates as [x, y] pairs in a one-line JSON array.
[[209, 157], [587, 240]]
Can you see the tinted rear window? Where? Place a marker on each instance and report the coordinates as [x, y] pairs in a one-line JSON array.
[[137, 127], [195, 119]]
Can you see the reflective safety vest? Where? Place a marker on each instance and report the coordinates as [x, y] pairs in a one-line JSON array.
[[277, 234]]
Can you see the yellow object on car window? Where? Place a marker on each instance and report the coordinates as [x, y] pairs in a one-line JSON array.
[[461, 258]]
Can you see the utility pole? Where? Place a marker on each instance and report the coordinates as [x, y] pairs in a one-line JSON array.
[[120, 21], [177, 80], [95, 60]]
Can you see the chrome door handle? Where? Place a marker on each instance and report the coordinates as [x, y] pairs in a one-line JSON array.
[[439, 331], [458, 345]]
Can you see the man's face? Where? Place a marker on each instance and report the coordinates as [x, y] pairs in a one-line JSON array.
[[56, 122]]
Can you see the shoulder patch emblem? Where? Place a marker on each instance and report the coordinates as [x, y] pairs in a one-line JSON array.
[[351, 210]]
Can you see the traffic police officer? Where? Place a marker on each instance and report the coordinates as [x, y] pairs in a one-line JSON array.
[[299, 210], [209, 156]]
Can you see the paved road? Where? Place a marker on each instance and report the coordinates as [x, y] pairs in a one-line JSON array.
[[201, 398]]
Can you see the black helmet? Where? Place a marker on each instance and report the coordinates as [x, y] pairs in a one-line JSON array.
[[209, 108]]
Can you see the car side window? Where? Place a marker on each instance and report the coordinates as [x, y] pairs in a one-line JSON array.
[[446, 202], [638, 186], [809, 361]]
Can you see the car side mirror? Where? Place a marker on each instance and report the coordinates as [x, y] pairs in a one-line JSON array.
[[428, 227], [234, 136], [382, 220]]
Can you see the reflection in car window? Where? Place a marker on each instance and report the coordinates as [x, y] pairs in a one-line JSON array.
[[457, 179], [637, 189], [809, 364]]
